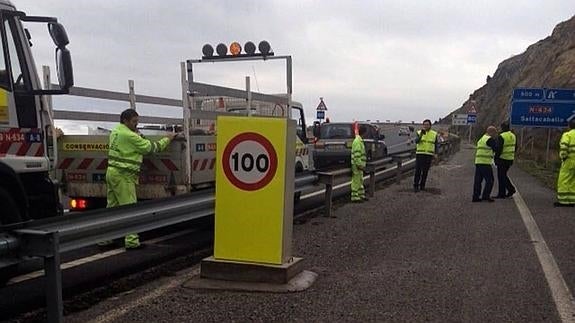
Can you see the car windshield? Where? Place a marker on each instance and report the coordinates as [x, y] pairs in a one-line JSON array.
[[336, 131]]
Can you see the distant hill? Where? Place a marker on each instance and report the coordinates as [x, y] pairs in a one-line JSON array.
[[548, 63]]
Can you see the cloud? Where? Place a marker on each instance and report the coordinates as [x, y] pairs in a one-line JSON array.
[[382, 60]]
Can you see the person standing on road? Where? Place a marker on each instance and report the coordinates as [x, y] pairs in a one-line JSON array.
[[358, 162], [566, 179], [125, 156], [486, 147], [504, 156], [426, 148]]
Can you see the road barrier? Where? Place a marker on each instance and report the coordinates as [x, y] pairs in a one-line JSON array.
[[373, 168]]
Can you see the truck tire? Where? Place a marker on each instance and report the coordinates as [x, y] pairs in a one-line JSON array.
[[10, 210]]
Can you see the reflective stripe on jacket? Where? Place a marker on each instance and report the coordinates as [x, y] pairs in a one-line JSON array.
[[127, 149], [358, 157], [509, 140], [567, 145], [484, 154], [426, 143]]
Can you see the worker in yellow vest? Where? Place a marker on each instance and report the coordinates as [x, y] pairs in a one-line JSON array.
[[426, 149], [125, 156], [486, 147], [358, 162], [566, 179], [504, 156]]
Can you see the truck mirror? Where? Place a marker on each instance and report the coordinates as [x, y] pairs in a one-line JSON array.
[[381, 136], [411, 128], [58, 34], [64, 68]]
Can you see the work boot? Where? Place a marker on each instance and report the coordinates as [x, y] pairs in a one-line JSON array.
[[415, 188]]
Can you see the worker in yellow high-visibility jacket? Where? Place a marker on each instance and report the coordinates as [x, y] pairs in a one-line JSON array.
[[504, 156], [566, 179], [125, 156], [485, 151], [426, 141], [358, 163]]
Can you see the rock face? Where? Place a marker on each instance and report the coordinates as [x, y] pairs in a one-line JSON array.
[[548, 63]]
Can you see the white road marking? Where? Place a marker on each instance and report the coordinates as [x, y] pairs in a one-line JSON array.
[[562, 296], [96, 257]]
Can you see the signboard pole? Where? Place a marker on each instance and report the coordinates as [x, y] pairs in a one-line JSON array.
[[547, 152], [469, 139]]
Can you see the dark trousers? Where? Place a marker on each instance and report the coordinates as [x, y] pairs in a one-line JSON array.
[[505, 186], [422, 164], [482, 172]]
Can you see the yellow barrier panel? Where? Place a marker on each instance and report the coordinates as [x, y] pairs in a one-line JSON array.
[[254, 189]]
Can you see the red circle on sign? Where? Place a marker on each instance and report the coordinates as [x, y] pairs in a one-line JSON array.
[[269, 148]]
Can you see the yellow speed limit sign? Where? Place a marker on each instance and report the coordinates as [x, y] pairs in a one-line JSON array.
[[254, 189]]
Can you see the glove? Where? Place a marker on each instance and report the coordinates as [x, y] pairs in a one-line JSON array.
[[423, 131]]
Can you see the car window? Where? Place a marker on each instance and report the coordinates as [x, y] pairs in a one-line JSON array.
[[336, 131]]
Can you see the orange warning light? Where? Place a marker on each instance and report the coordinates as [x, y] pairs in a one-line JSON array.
[[235, 48]]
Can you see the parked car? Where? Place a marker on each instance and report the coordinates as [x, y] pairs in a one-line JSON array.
[[333, 143], [405, 131]]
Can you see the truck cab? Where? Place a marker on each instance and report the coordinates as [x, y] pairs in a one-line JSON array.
[[26, 189]]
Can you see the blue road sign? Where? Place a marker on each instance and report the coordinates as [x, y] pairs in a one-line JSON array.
[[560, 94], [528, 94], [550, 108], [320, 114], [471, 118], [541, 113]]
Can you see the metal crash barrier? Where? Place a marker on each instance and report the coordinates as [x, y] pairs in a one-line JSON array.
[[404, 162]]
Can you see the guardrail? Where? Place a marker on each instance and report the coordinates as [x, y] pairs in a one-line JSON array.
[[372, 168]]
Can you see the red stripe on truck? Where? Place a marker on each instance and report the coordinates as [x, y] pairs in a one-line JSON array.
[[85, 163], [65, 163], [169, 164]]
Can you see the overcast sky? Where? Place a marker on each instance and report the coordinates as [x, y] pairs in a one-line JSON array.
[[387, 60]]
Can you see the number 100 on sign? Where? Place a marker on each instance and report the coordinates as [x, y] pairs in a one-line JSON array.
[[249, 161]]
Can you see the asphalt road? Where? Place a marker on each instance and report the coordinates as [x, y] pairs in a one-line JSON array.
[[401, 257]]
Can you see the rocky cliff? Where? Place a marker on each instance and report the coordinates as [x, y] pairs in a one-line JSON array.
[[548, 63]]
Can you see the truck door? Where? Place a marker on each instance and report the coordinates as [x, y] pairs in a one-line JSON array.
[[22, 139]]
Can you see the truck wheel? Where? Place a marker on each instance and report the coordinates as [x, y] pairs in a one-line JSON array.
[[10, 210]]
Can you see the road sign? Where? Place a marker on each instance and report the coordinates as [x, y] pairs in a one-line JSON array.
[[320, 114], [254, 189], [459, 120], [560, 94], [541, 114], [321, 106], [471, 118], [249, 161], [549, 108], [528, 94]]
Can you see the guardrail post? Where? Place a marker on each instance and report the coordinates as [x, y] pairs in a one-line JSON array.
[[53, 278], [398, 171], [371, 190], [327, 180]]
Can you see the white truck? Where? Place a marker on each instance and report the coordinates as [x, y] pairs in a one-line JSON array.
[[26, 189], [82, 159]]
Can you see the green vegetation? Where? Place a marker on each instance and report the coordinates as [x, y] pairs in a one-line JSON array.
[[547, 176]]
